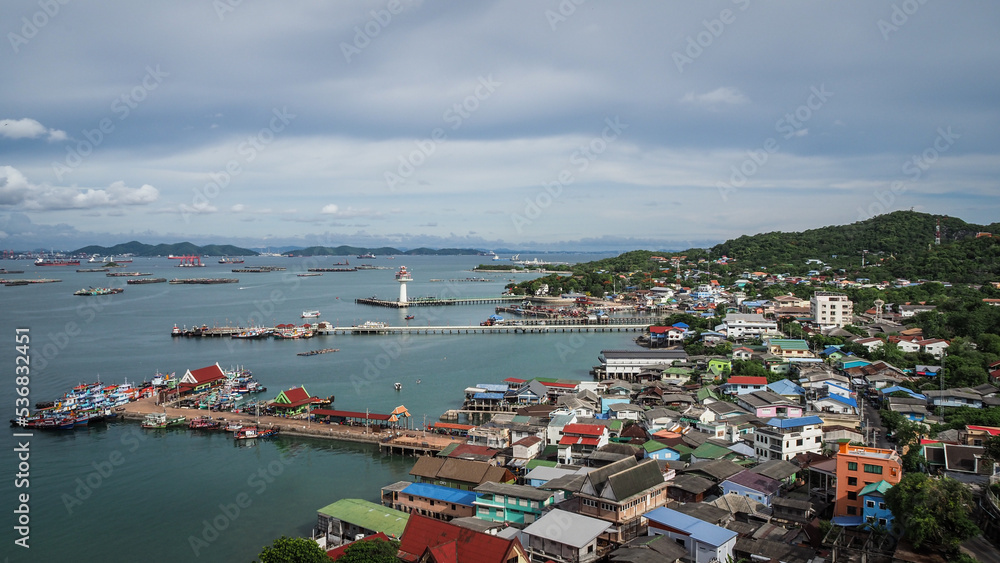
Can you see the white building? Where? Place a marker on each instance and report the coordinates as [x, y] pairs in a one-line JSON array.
[[784, 438], [831, 309], [744, 325]]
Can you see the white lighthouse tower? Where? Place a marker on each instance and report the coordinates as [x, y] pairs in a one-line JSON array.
[[402, 276]]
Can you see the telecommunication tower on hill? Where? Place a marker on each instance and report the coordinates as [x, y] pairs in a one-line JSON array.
[[937, 232], [402, 276]]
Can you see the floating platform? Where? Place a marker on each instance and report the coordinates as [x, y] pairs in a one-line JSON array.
[[26, 282], [127, 274], [258, 269], [332, 270], [204, 280], [146, 280], [92, 270]]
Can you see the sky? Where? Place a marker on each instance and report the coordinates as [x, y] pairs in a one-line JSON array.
[[543, 124]]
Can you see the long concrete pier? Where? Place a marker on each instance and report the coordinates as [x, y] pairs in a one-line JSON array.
[[434, 302], [476, 329]]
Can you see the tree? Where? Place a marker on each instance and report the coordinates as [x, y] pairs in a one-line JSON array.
[[933, 513], [371, 551], [293, 550]]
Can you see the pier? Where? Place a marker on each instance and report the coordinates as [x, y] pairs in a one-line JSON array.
[[435, 302], [523, 328]]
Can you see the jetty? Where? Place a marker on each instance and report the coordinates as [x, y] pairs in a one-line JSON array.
[[525, 327], [437, 302]]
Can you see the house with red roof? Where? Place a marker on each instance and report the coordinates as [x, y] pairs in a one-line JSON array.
[[743, 384], [338, 552], [201, 379], [977, 435], [434, 541], [934, 346], [666, 335], [293, 401], [579, 440]]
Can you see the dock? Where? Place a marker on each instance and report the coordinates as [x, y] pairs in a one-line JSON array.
[[523, 328], [435, 302]]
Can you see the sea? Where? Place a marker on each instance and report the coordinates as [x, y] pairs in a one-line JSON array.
[[116, 492]]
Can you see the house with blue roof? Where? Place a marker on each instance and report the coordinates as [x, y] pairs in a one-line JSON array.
[[849, 362], [836, 404], [436, 501], [787, 389], [704, 542], [889, 390]]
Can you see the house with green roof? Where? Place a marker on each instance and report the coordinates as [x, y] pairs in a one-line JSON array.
[[345, 519], [709, 452], [658, 450], [789, 348], [873, 507]]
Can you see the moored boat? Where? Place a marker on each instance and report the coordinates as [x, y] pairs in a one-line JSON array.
[[310, 314]]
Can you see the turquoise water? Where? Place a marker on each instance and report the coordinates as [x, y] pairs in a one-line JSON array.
[[116, 493]]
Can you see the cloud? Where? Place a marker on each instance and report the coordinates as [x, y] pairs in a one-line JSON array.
[[16, 190], [238, 208], [330, 209], [28, 128], [725, 95]]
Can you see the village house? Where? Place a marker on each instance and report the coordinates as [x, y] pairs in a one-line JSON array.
[[564, 537], [348, 518], [458, 473], [738, 326], [858, 467], [742, 384], [435, 501], [580, 440], [515, 504], [620, 493], [429, 540], [784, 438], [752, 485], [705, 542]]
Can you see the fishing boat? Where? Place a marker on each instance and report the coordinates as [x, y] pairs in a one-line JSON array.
[[366, 255], [310, 314], [249, 432], [204, 423], [317, 352], [409, 317], [398, 386], [99, 291], [159, 420]]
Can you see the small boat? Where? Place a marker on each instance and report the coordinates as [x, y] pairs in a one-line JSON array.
[[309, 274], [157, 420], [409, 317], [249, 432], [204, 423], [310, 314], [367, 255], [398, 386], [317, 352]]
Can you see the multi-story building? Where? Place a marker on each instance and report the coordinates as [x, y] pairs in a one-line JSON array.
[[784, 438], [620, 493], [829, 309], [517, 504], [747, 325], [436, 501], [858, 467]]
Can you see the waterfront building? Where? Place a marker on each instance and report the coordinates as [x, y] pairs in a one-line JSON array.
[[349, 518], [202, 379], [458, 473], [515, 504], [628, 364], [293, 401], [435, 501], [858, 467], [746, 325]]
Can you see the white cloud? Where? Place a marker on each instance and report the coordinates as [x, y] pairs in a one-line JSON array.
[[725, 95], [330, 209], [16, 190], [238, 208], [28, 128]]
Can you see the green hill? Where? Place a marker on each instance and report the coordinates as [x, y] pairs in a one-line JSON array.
[[178, 249]]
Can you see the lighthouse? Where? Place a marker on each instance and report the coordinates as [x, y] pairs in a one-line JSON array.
[[402, 276]]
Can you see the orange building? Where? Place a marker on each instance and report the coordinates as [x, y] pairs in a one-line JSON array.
[[858, 467]]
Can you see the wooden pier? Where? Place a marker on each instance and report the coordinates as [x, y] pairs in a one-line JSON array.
[[524, 328], [434, 302]]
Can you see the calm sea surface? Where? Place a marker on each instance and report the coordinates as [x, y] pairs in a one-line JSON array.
[[118, 493]]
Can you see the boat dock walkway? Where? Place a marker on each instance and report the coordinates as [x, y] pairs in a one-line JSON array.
[[523, 328], [390, 440], [435, 302]]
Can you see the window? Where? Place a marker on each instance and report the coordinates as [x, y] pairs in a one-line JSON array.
[[852, 495], [798, 442], [852, 466], [819, 439], [852, 481], [870, 504], [877, 469], [881, 522], [852, 510], [881, 506]]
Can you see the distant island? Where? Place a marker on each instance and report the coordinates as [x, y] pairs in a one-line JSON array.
[[136, 248]]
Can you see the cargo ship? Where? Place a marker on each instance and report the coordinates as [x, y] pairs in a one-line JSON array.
[[56, 262]]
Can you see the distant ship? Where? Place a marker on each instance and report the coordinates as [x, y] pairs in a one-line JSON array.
[[366, 255], [56, 262], [229, 260]]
